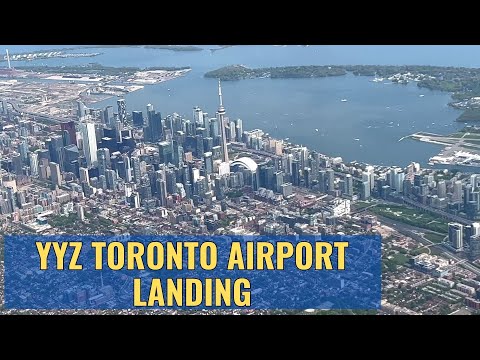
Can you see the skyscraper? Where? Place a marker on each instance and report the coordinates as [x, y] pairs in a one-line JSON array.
[[81, 110], [153, 132], [103, 159], [84, 176], [162, 191], [87, 130], [55, 173], [455, 235], [330, 179], [165, 152], [474, 181], [23, 150], [198, 116], [365, 190], [55, 148], [72, 133], [122, 111], [457, 191], [441, 189], [369, 176], [296, 172], [398, 178], [178, 154], [118, 130], [232, 131], [17, 163], [137, 118], [214, 128], [111, 177], [475, 229], [348, 185], [208, 162], [70, 155], [239, 132], [322, 180], [467, 194], [278, 181], [303, 157], [128, 168], [137, 175], [108, 117], [307, 176], [34, 164]]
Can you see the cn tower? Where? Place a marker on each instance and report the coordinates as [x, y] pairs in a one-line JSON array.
[[221, 123]]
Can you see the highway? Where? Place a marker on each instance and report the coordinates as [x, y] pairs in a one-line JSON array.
[[241, 147], [441, 213], [54, 119]]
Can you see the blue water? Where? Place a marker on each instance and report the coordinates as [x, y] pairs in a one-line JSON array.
[[377, 114]]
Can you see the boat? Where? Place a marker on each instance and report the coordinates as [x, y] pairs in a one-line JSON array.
[[356, 139], [316, 130], [344, 100], [421, 95]]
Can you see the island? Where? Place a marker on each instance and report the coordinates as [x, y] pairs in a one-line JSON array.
[[159, 47], [239, 72], [220, 47], [463, 83], [174, 47], [45, 54]]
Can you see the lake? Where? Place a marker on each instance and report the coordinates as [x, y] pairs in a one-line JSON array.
[[367, 127]]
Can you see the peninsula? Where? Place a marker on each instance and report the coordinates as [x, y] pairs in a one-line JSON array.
[[95, 69]]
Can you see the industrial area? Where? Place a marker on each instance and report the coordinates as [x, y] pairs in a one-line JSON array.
[[54, 92]]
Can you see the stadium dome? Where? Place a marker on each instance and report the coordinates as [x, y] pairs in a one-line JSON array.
[[247, 162]]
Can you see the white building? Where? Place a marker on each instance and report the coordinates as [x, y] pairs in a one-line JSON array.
[[224, 168], [89, 139], [34, 164], [338, 207]]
